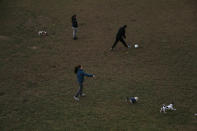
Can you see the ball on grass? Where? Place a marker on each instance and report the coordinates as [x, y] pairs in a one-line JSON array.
[[136, 46]]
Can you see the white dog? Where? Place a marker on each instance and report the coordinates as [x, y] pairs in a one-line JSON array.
[[164, 108], [42, 33]]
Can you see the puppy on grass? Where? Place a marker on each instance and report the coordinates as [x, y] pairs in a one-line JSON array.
[[164, 108], [42, 33], [132, 100]]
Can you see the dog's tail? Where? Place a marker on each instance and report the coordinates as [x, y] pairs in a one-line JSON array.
[[127, 99]]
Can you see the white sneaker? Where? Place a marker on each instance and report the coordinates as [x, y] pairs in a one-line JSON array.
[[76, 98], [83, 94]]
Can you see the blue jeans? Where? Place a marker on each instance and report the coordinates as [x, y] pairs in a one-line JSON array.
[[80, 90]]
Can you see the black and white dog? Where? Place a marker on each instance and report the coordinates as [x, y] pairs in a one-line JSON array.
[[42, 33], [132, 100], [164, 108]]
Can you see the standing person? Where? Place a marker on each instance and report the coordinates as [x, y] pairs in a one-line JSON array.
[[74, 26], [80, 78], [119, 37]]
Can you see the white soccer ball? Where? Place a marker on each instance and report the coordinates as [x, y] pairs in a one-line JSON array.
[[136, 45]]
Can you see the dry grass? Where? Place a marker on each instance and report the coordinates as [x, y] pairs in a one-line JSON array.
[[37, 79]]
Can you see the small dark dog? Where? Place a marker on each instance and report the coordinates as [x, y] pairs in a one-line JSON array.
[[132, 100]]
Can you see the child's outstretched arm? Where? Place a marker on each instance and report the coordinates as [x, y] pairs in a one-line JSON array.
[[88, 75]]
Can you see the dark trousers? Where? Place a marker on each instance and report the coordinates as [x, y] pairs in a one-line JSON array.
[[80, 90], [121, 40]]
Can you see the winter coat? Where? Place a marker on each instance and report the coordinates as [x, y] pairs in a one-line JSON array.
[[74, 22], [121, 33], [81, 74]]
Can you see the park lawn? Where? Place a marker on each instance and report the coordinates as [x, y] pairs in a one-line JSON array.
[[37, 82]]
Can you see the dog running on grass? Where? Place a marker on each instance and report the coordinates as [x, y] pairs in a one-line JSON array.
[[132, 100], [164, 108]]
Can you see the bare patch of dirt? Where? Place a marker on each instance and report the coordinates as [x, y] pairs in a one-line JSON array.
[[2, 37]]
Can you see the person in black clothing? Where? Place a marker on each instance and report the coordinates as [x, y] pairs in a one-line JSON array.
[[119, 37], [74, 26]]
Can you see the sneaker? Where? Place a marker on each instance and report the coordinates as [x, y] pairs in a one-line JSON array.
[[76, 98], [129, 46], [83, 94]]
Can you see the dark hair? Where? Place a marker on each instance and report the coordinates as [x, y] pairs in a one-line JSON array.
[[76, 68], [73, 17], [125, 26]]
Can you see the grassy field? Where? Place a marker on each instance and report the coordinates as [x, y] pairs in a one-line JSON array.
[[37, 82]]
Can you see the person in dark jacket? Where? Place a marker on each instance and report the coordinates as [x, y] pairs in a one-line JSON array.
[[80, 78], [120, 37], [74, 26]]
